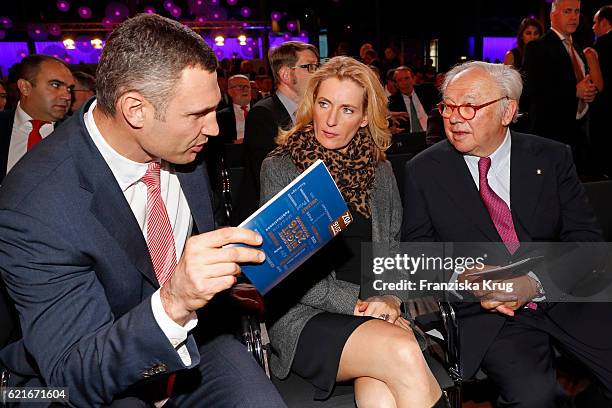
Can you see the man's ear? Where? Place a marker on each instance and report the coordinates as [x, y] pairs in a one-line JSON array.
[[25, 87], [134, 108], [284, 74], [509, 112]]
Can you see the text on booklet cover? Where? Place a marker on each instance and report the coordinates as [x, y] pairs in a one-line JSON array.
[[295, 224]]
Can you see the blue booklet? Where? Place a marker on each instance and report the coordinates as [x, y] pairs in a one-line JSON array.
[[296, 223]]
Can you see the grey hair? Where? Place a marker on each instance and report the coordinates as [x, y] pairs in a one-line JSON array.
[[555, 4], [237, 76], [507, 78]]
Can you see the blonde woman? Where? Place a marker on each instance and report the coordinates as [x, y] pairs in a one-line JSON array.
[[323, 331]]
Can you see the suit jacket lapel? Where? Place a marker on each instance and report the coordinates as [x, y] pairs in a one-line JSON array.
[[196, 187], [462, 190], [526, 178], [108, 203]]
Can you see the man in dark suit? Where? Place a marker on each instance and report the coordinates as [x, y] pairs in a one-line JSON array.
[[232, 119], [292, 64], [602, 106], [45, 85], [558, 87], [488, 184], [416, 100], [95, 245]]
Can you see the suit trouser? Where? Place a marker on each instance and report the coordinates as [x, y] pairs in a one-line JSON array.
[[520, 361]]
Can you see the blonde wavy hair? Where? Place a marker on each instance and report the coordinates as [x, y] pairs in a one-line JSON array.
[[374, 101]]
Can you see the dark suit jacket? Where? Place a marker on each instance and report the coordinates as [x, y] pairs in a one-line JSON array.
[[261, 128], [550, 89], [7, 118], [77, 266], [442, 204], [428, 96]]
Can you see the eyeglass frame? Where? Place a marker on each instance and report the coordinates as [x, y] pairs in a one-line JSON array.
[[466, 105], [245, 87], [307, 67]]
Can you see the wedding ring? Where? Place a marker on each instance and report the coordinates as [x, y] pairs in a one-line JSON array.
[[384, 316]]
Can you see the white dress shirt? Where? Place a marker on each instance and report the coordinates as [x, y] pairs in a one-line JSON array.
[[128, 175], [584, 107], [19, 136], [240, 120], [422, 115]]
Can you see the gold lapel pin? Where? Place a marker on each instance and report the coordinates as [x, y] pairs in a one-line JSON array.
[[538, 172]]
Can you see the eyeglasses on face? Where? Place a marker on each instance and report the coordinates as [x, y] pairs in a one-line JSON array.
[[467, 111], [309, 67], [241, 87]]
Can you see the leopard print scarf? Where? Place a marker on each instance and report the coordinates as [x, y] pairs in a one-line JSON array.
[[352, 169]]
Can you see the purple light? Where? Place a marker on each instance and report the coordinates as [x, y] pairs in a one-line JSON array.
[[176, 12], [149, 10], [6, 22], [22, 54], [291, 25], [219, 53], [286, 36], [117, 12], [83, 44], [216, 16], [276, 16], [168, 5], [245, 11], [55, 29], [67, 60], [85, 12], [200, 19], [63, 5], [37, 32], [196, 7], [303, 34], [107, 22], [232, 2], [214, 2], [245, 24]]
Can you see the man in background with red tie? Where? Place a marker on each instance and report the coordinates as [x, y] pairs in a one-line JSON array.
[[558, 88], [107, 246], [489, 184], [45, 85], [232, 119]]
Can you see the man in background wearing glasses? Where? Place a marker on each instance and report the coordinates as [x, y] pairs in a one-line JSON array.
[[489, 184], [85, 89], [292, 64]]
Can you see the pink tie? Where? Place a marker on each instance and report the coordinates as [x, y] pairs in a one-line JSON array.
[[498, 210], [160, 238]]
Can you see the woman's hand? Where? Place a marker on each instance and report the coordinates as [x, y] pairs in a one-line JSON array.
[[384, 307]]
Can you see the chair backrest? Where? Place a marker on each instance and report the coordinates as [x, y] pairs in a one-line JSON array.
[[599, 194], [398, 163]]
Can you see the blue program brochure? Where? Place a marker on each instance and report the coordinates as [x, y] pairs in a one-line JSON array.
[[296, 223]]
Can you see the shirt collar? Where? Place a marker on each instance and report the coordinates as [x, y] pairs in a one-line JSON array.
[[127, 172], [498, 157], [288, 103], [561, 36], [21, 117]]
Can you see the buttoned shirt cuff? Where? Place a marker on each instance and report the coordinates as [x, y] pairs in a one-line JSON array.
[[535, 277], [175, 333]]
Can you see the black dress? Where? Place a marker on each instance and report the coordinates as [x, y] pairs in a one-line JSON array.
[[322, 340]]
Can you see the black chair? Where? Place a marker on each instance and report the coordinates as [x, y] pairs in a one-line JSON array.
[[599, 194]]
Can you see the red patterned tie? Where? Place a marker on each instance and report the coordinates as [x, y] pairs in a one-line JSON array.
[[245, 110], [35, 136], [160, 238], [497, 208]]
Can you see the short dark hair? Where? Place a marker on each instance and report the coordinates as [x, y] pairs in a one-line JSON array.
[[85, 80], [286, 55], [29, 67], [148, 54], [606, 13], [403, 68]]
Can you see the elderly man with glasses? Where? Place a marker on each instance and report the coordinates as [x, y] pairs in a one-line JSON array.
[[489, 184]]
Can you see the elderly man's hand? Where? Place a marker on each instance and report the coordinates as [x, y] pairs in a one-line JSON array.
[[206, 268]]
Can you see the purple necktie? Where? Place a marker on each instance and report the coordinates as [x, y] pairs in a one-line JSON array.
[[497, 208]]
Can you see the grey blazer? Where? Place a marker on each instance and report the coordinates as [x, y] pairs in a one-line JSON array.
[[329, 294]]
